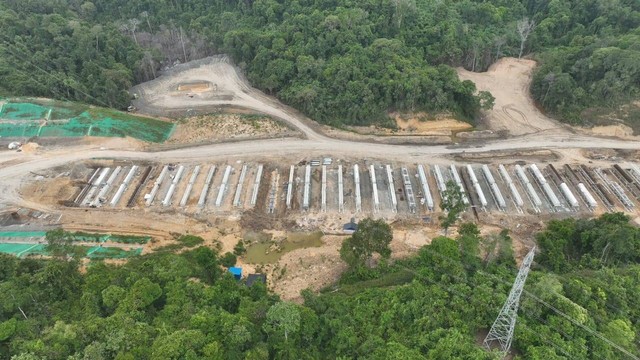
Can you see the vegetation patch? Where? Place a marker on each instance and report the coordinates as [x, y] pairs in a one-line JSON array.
[[190, 240], [75, 236], [432, 305], [66, 119], [628, 115]]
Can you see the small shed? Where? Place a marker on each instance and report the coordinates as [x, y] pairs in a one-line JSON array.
[[350, 227], [236, 272], [252, 278]]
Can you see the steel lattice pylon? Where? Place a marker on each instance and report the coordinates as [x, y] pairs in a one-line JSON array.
[[502, 329]]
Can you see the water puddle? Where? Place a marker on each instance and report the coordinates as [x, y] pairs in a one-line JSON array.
[[266, 250]]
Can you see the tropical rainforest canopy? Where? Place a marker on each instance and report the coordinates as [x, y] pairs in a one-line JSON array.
[[580, 302], [339, 62]]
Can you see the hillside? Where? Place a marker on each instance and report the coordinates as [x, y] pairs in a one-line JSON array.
[[338, 62], [430, 306]]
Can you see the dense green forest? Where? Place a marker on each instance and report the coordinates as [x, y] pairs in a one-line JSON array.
[[434, 305], [340, 62]]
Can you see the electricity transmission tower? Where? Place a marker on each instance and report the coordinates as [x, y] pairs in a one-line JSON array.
[[502, 329]]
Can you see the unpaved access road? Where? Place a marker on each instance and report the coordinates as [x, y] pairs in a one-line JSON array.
[[227, 86], [12, 174], [162, 97]]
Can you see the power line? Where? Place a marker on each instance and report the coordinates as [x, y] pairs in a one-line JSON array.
[[551, 342], [503, 327], [468, 298], [527, 293], [589, 330]]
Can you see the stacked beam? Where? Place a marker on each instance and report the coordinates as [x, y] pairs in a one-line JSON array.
[[273, 191], [256, 186], [324, 189], [442, 186], [237, 202], [564, 188], [106, 187], [206, 187], [96, 183], [535, 199], [392, 189], [545, 186], [456, 178], [156, 185], [617, 190], [586, 195], [497, 194], [223, 186], [408, 189], [86, 189], [512, 187], [425, 187], [290, 186], [306, 196], [476, 186], [173, 186], [600, 190], [628, 180], [187, 191], [340, 190], [635, 171], [569, 195], [146, 174], [123, 187], [374, 185], [356, 180]]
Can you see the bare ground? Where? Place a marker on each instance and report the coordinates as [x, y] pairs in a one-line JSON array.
[[228, 88], [227, 126], [508, 80]]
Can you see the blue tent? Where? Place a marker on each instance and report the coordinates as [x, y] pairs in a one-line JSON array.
[[236, 272], [350, 227]]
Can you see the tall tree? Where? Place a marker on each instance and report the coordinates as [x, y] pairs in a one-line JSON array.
[[524, 26], [283, 318], [372, 236], [452, 204]]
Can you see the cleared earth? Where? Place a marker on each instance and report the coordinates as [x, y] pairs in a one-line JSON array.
[[28, 179], [508, 80]]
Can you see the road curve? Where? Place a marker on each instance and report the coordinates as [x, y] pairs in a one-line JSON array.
[[18, 165], [291, 147]]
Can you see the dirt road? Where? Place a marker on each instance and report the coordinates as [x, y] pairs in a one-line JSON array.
[[227, 86], [223, 84], [18, 165]]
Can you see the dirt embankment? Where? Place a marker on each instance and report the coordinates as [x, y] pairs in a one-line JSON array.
[[219, 127]]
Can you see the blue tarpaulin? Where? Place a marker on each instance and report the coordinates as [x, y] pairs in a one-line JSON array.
[[236, 272]]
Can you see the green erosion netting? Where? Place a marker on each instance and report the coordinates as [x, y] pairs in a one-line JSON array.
[[93, 252], [129, 239], [111, 253], [21, 234], [18, 249], [23, 111], [94, 237], [70, 121], [80, 236]]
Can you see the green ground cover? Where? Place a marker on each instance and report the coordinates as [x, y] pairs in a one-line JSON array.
[[21, 234], [111, 253], [75, 120], [91, 252]]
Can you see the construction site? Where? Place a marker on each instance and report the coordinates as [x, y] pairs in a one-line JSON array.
[[339, 187], [267, 177]]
